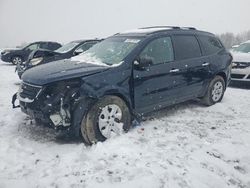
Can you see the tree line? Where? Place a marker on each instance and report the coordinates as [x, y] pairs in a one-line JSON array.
[[231, 39]]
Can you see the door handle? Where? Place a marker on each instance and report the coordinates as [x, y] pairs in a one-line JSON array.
[[205, 64], [174, 70]]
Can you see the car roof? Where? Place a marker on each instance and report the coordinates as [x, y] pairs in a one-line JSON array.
[[162, 29], [44, 42], [86, 40]]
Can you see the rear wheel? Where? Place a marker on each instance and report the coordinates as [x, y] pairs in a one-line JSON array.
[[16, 60], [215, 91], [108, 117]]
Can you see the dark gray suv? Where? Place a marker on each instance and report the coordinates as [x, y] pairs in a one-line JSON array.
[[98, 93]]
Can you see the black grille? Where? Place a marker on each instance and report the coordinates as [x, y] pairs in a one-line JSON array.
[[237, 76], [29, 91], [240, 65]]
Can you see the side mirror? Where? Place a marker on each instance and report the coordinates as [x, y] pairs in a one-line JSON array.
[[143, 62], [78, 51]]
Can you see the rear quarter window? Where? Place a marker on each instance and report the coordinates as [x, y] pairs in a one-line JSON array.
[[186, 47], [210, 45]]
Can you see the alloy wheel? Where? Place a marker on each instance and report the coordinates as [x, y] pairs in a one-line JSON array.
[[217, 91], [16, 60], [109, 121]]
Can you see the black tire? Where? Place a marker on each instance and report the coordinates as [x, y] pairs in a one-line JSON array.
[[16, 59], [90, 130], [208, 99]]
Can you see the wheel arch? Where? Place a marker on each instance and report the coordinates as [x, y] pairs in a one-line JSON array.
[[223, 75], [17, 55], [121, 96]]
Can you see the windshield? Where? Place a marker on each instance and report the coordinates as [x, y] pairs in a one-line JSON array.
[[25, 46], [110, 51], [67, 47], [244, 48]]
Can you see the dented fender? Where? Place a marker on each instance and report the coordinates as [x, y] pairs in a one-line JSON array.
[[106, 84]]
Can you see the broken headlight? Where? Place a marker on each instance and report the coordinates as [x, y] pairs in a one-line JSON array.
[[62, 87]]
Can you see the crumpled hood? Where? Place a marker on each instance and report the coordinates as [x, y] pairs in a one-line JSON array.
[[60, 70], [241, 57]]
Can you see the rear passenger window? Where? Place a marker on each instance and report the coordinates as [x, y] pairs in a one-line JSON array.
[[186, 46], [210, 45], [159, 50]]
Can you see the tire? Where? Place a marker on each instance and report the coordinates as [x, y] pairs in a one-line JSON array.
[[109, 116], [16, 59], [215, 91]]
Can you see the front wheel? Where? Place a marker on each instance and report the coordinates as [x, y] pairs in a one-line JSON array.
[[16, 60], [108, 117], [215, 91]]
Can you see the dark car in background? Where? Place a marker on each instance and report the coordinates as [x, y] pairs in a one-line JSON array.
[[97, 93], [16, 56], [42, 56]]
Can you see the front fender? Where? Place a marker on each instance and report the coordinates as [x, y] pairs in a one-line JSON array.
[[79, 111], [97, 92]]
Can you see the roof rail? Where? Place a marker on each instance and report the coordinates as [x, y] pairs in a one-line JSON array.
[[173, 27], [190, 28]]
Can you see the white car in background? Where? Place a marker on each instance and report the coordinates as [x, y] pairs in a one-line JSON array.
[[241, 63]]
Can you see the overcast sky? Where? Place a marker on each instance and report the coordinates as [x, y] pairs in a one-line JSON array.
[[66, 20]]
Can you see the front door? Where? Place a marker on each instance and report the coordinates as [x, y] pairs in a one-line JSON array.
[[155, 85]]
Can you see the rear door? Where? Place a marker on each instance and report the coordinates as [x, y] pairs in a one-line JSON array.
[[155, 86], [188, 56]]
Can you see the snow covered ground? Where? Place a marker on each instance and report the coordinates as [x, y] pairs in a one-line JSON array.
[[188, 145]]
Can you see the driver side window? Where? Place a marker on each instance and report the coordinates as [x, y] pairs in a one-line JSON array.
[[159, 51]]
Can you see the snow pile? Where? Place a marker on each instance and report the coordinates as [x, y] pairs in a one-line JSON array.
[[187, 145], [88, 58]]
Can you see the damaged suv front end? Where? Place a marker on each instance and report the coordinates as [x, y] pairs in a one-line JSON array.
[[51, 93], [52, 103]]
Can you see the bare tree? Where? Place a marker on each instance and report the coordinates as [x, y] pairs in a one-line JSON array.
[[230, 39]]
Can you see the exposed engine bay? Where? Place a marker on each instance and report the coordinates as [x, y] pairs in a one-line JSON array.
[[55, 102]]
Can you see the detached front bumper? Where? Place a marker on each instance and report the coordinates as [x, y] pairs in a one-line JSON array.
[[39, 103], [34, 114]]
